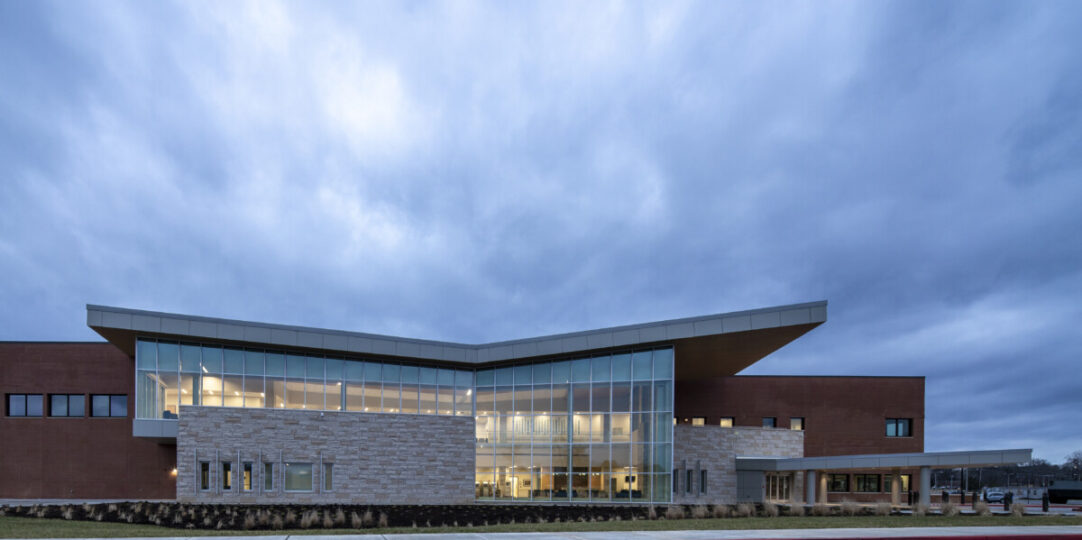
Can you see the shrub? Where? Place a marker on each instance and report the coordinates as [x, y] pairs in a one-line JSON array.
[[69, 512], [796, 510], [674, 512], [367, 519], [770, 509], [1018, 509], [383, 522], [820, 509], [849, 508], [699, 512], [883, 509], [291, 517], [339, 518], [249, 521], [981, 508], [920, 509], [276, 523], [948, 509], [652, 514], [355, 520], [744, 510], [722, 511], [328, 523]]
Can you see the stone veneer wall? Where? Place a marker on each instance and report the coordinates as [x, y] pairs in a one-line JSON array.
[[378, 458], [715, 448]]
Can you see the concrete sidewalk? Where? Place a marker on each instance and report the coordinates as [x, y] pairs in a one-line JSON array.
[[1073, 532]]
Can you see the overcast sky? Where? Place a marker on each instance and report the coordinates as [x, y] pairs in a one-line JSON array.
[[473, 173]]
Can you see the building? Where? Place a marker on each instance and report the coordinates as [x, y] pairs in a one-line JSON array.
[[211, 410]]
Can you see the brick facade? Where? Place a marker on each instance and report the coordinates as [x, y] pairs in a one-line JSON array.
[[84, 457], [378, 458], [842, 415], [715, 449]]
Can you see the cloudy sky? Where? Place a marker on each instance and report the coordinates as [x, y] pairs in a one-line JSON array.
[[479, 172]]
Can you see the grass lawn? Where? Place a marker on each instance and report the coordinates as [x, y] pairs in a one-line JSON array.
[[19, 527]]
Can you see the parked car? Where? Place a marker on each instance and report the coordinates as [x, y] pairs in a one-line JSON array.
[[994, 495]]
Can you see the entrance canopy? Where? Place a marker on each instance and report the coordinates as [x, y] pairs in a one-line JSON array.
[[938, 460], [749, 468]]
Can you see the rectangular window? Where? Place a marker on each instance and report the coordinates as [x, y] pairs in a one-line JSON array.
[[866, 483], [227, 476], [298, 477], [796, 423], [246, 477], [268, 477], [675, 481], [328, 476], [687, 486], [726, 421], [106, 405], [24, 404], [70, 405], [698, 420], [899, 427], [204, 475], [770, 421], [838, 483], [702, 482]]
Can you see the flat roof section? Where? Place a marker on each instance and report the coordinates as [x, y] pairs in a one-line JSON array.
[[719, 344], [968, 458]]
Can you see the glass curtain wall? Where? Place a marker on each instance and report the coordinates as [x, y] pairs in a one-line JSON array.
[[170, 374], [590, 429]]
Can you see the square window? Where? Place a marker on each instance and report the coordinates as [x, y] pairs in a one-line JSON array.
[[726, 421], [838, 483], [298, 477], [770, 421], [796, 423], [698, 420]]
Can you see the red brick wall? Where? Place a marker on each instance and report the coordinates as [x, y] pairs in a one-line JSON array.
[[842, 415], [76, 457]]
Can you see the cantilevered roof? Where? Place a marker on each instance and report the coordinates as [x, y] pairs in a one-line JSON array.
[[970, 458], [720, 344]]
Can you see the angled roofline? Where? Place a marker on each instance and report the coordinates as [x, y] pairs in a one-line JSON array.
[[122, 324]]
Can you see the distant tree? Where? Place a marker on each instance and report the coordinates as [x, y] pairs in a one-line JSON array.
[[1073, 462]]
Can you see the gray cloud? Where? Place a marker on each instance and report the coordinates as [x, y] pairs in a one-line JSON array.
[[489, 172]]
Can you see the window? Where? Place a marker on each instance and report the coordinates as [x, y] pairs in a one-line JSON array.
[[298, 477], [204, 475], [888, 480], [268, 477], [867, 483], [769, 421], [838, 482], [702, 482], [726, 421], [246, 477], [899, 427], [698, 420], [687, 487], [66, 405], [796, 423], [227, 476], [24, 404], [104, 405], [328, 476], [675, 481]]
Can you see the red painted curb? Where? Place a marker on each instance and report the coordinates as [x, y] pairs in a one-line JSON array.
[[948, 537]]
